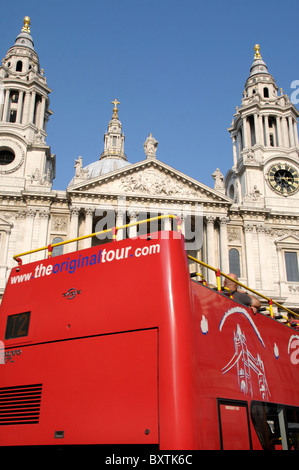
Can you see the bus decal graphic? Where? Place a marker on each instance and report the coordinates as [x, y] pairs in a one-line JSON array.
[[294, 345], [244, 361], [244, 312]]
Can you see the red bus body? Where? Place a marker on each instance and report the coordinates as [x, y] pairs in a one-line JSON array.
[[116, 344]]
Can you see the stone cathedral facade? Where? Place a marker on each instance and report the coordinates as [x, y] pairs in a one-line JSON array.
[[249, 218]]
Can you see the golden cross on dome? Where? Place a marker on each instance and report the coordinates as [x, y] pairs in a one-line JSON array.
[[115, 109], [257, 54], [26, 28]]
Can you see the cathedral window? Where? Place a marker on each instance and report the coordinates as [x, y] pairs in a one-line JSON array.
[[14, 96], [232, 191], [266, 92], [19, 66], [57, 250], [291, 263], [113, 141], [6, 157], [271, 137], [12, 116], [234, 261]]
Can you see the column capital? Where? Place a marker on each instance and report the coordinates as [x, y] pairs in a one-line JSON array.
[[89, 211], [210, 219], [224, 220], [74, 211], [248, 227]]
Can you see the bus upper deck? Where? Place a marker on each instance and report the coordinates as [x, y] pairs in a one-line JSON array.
[[117, 344]]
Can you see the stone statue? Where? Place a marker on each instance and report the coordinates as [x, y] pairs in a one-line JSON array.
[[150, 146], [218, 178], [79, 170]]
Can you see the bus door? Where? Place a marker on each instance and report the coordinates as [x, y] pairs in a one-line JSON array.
[[234, 425]]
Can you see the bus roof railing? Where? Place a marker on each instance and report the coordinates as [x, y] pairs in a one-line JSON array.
[[220, 273], [114, 231]]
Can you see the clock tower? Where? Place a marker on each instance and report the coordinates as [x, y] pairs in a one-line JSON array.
[[26, 162], [265, 144]]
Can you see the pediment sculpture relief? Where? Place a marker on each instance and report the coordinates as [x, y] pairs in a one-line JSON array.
[[152, 183]]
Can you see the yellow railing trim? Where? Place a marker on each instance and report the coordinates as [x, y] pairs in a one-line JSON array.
[[83, 237], [242, 285]]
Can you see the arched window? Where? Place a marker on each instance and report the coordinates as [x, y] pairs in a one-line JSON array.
[[234, 261], [57, 250], [266, 92], [231, 191], [19, 66]]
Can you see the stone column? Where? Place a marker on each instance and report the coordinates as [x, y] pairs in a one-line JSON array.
[[26, 107], [29, 221], [89, 212], [166, 224], [279, 136], [120, 220], [133, 230], [245, 134], [32, 106], [42, 234], [20, 107], [285, 134], [73, 232], [266, 124], [2, 99], [224, 266], [211, 248], [258, 129], [41, 116], [265, 258], [235, 155], [248, 230], [295, 133], [6, 105], [4, 243], [291, 131]]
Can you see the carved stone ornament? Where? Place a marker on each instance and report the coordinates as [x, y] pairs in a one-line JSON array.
[[152, 182], [233, 234], [59, 224]]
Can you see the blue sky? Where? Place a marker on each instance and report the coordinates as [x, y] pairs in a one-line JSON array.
[[177, 67]]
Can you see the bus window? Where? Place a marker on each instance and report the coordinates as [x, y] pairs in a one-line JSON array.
[[277, 426], [292, 415]]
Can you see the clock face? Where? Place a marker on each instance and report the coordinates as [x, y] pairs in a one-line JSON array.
[[283, 178]]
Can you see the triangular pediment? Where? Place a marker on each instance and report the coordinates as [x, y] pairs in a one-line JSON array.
[[150, 178], [288, 239], [5, 224]]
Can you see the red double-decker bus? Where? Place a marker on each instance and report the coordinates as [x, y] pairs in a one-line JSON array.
[[117, 344]]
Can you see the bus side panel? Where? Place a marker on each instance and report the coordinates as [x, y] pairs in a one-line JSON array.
[[97, 390]]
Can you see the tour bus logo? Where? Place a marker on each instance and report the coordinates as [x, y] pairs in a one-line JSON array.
[[293, 349], [71, 293]]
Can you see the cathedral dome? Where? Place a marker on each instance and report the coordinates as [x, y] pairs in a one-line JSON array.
[[105, 165]]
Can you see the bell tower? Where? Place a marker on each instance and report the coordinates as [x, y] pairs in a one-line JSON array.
[[26, 162], [265, 142]]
